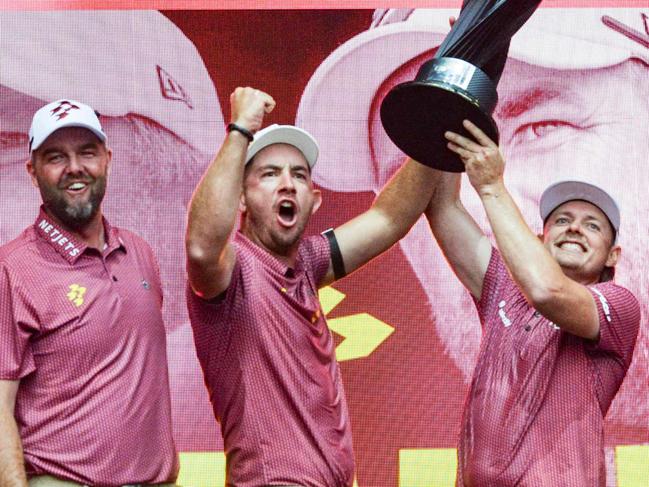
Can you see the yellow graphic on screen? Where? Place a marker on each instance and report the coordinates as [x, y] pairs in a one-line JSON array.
[[76, 294], [362, 332], [418, 467], [205, 469], [632, 465]]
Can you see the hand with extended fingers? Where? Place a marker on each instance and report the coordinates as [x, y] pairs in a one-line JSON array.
[[482, 158], [248, 107]]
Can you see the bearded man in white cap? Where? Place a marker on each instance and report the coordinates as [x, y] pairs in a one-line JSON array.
[[572, 104], [161, 113], [84, 387], [260, 332]]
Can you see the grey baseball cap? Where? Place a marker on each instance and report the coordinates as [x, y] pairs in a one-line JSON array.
[[563, 191]]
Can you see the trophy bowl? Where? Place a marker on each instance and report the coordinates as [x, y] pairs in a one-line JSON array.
[[458, 83], [446, 91]]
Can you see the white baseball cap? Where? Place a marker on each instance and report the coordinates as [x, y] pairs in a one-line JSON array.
[[285, 134], [563, 191], [338, 99], [59, 114], [119, 62]]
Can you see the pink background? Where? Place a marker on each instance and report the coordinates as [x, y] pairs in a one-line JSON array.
[[409, 392]]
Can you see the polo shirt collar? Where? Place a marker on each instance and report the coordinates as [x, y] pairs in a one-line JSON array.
[[267, 258], [66, 244]]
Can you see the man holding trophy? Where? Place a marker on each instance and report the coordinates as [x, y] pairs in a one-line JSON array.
[[558, 334]]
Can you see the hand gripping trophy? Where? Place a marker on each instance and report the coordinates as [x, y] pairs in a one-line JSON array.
[[458, 83]]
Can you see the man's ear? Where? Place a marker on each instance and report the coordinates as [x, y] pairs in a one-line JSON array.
[[317, 200], [613, 256], [31, 170], [109, 153], [242, 202]]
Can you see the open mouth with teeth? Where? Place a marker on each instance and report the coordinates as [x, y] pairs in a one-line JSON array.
[[76, 187], [572, 246], [287, 213]]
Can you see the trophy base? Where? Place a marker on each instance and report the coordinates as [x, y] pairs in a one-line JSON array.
[[415, 116]]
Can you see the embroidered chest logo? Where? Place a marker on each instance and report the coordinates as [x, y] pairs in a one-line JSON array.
[[315, 317], [145, 284], [76, 294]]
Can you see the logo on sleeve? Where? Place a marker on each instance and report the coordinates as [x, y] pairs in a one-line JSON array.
[[605, 306], [76, 294]]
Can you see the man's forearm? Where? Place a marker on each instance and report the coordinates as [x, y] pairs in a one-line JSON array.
[[215, 203], [395, 210], [406, 195], [12, 466]]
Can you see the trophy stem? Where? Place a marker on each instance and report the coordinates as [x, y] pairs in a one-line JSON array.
[[458, 83], [484, 32]]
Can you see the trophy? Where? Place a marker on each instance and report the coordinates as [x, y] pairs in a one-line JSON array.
[[458, 83]]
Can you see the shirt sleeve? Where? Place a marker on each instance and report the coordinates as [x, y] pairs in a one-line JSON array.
[[317, 254], [16, 358], [210, 319], [211, 312], [619, 320]]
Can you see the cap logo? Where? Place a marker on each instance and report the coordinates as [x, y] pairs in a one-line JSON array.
[[171, 89], [641, 38], [63, 109]]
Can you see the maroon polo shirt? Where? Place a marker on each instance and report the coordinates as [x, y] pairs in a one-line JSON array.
[[535, 410], [82, 331], [269, 365]]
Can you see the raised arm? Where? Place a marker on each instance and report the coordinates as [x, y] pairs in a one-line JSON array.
[[562, 300], [463, 243], [395, 210], [214, 206], [12, 466]]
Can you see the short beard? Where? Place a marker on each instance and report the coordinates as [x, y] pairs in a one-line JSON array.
[[277, 243], [74, 217], [283, 244]]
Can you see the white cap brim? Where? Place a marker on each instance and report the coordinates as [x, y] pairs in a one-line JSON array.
[[36, 143]]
